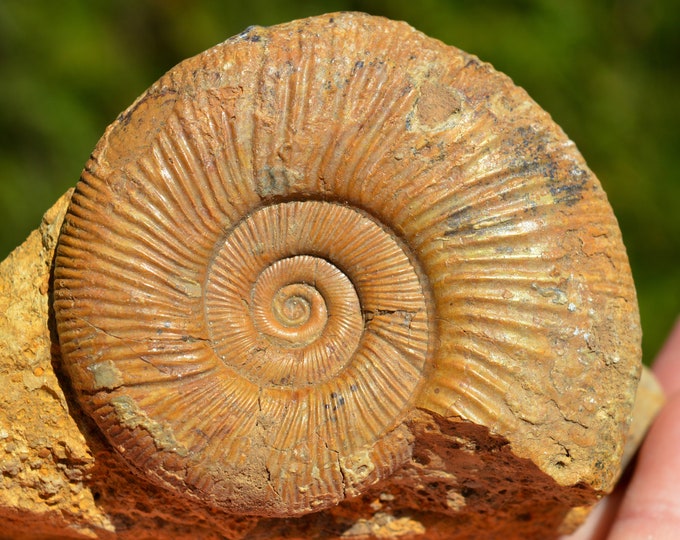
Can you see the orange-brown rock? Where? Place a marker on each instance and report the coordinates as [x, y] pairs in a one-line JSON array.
[[330, 279]]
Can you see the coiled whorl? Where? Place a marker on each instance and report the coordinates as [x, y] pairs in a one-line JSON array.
[[298, 237]]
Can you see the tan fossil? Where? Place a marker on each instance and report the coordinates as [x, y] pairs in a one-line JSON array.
[[337, 271]]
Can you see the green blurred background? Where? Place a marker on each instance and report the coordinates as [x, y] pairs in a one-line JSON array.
[[607, 70]]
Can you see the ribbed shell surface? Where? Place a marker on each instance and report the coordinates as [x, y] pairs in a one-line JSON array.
[[298, 237]]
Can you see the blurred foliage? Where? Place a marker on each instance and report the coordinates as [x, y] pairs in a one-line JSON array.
[[607, 70]]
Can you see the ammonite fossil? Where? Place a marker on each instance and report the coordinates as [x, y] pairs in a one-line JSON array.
[[297, 245]]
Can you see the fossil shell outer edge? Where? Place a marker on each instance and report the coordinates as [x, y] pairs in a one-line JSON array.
[[295, 239]]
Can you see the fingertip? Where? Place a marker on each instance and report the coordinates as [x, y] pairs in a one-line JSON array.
[[650, 507], [667, 364]]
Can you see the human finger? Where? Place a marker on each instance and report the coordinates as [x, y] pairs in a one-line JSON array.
[[667, 364]]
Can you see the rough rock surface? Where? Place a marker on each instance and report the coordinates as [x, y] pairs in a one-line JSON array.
[[60, 479]]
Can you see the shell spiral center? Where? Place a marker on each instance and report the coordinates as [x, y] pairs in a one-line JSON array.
[[290, 303]]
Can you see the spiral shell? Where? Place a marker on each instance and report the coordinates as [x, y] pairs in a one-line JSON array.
[[292, 241]]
